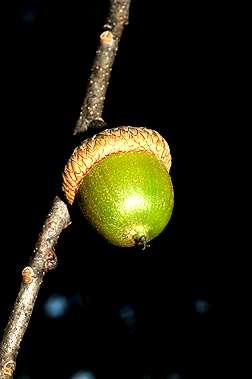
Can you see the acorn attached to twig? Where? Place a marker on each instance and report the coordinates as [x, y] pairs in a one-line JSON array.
[[120, 179]]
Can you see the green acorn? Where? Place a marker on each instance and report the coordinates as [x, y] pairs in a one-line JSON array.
[[120, 179]]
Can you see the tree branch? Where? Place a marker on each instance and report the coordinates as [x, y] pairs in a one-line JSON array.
[[44, 258]]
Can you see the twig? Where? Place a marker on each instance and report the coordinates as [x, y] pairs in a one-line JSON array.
[[44, 258], [32, 276], [98, 82]]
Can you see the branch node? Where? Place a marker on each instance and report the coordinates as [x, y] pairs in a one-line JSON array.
[[51, 261], [106, 38], [27, 275], [8, 368]]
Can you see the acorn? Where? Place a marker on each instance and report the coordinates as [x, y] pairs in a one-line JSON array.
[[120, 180]]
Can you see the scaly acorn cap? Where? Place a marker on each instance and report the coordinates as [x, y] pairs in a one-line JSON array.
[[105, 143]]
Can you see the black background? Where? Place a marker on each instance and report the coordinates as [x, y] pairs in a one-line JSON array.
[[170, 75]]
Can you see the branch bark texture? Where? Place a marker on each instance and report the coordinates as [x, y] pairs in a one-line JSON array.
[[44, 257], [92, 107]]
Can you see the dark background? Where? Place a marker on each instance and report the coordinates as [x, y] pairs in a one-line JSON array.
[[129, 314]]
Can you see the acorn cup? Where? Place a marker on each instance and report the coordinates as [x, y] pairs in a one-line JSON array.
[[120, 179]]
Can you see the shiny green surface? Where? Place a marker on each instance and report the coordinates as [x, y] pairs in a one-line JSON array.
[[127, 196]]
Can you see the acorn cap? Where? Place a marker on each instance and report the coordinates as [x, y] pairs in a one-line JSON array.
[[107, 142]]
